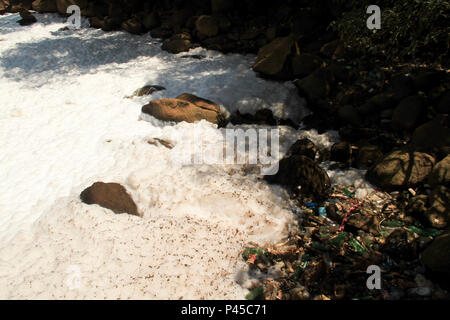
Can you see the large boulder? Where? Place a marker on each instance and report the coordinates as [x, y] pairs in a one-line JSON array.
[[3, 6], [441, 173], [44, 5], [400, 169], [27, 18], [432, 137], [272, 57], [437, 257], [185, 107], [300, 171], [303, 147], [408, 113], [111, 196], [133, 26], [178, 43]]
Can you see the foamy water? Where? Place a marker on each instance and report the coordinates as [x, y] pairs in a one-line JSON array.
[[65, 123]]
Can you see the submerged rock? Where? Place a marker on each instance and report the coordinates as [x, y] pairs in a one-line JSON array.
[[111, 196]]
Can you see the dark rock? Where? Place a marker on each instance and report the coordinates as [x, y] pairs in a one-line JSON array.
[[133, 26], [437, 257], [381, 101], [112, 196], [303, 147], [221, 6], [408, 113], [444, 104], [44, 5], [402, 86], [441, 173], [349, 115], [146, 90], [341, 152], [27, 18], [177, 45], [365, 221], [95, 22], [62, 5], [315, 86], [207, 26], [272, 57], [426, 80], [368, 155], [417, 206], [151, 20], [161, 33], [301, 171], [400, 169], [438, 214], [186, 107], [304, 64], [432, 137]]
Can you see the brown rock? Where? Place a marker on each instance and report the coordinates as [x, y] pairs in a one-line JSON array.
[[439, 213], [401, 168], [437, 256], [182, 110], [432, 137], [207, 26], [62, 5], [177, 45], [408, 113], [272, 57], [133, 26], [111, 196], [295, 171], [441, 173], [44, 5], [316, 86], [303, 147], [368, 155]]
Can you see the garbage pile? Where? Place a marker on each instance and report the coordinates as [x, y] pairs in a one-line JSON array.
[[328, 257]]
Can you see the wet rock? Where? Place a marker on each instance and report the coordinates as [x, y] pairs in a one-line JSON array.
[[261, 117], [133, 26], [111, 196], [146, 90], [426, 80], [221, 6], [303, 147], [62, 5], [341, 152], [304, 64], [207, 26], [186, 107], [367, 156], [377, 103], [3, 6], [444, 104], [432, 137], [27, 18], [161, 33], [316, 86], [408, 113], [437, 257], [441, 173], [272, 57], [439, 213], [349, 115], [402, 86], [44, 5], [176, 45], [401, 168], [151, 20], [417, 206], [295, 171], [97, 23]]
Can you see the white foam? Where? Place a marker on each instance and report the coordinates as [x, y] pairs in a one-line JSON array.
[[65, 124]]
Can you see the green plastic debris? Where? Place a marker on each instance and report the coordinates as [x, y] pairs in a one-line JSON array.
[[392, 224], [348, 193], [297, 272], [339, 239], [254, 294], [427, 232], [357, 246]]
